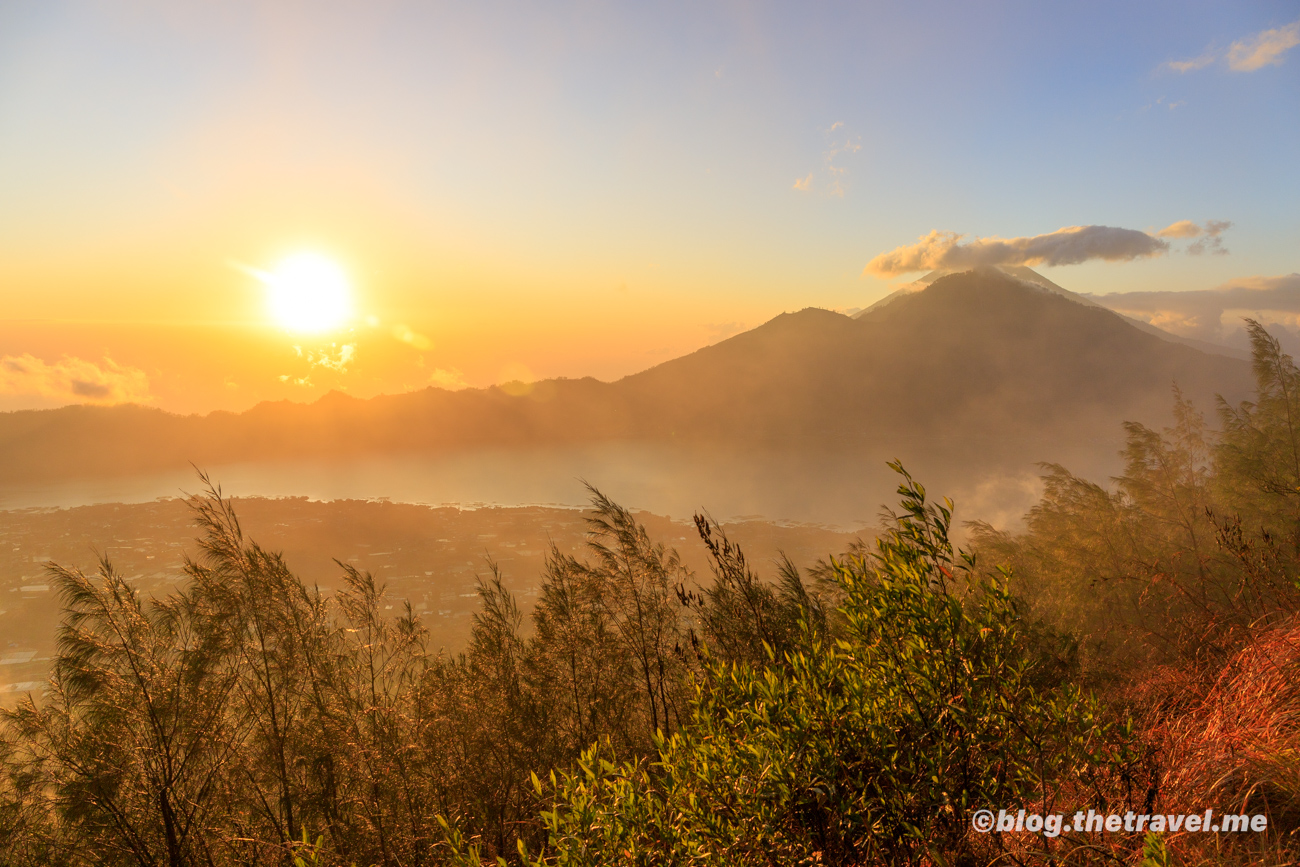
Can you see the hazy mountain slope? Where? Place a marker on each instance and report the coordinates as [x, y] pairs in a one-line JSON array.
[[1028, 275], [979, 363], [1042, 355], [976, 355], [84, 440]]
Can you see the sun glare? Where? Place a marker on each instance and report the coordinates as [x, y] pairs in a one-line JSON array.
[[308, 293]]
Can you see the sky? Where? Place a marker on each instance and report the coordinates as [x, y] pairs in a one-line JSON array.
[[522, 190]]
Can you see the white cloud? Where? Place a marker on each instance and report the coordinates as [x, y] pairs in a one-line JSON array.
[[835, 148], [452, 380], [1216, 314], [1192, 65], [1212, 242], [1282, 284], [337, 362], [74, 380], [840, 144], [1263, 49], [1181, 229], [1266, 48], [1067, 246], [1210, 235]]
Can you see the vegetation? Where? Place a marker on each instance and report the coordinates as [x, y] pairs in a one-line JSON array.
[[1138, 648], [873, 746], [1181, 588]]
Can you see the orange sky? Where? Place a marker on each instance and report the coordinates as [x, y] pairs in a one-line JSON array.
[[583, 190]]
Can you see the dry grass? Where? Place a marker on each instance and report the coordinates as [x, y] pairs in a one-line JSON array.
[[1231, 741]]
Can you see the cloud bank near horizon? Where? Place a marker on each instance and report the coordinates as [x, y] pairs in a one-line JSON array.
[[1216, 315], [73, 380]]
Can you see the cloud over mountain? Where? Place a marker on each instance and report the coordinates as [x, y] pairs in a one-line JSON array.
[[1216, 315], [73, 380], [1067, 246]]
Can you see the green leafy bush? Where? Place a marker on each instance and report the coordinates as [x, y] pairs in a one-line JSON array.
[[871, 747]]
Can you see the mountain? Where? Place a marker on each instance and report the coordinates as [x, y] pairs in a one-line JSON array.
[[1033, 278], [980, 355], [980, 366]]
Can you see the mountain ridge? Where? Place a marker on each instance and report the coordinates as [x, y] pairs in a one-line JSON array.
[[1033, 278], [978, 362]]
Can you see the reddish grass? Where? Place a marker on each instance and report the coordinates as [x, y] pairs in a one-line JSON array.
[[1231, 741]]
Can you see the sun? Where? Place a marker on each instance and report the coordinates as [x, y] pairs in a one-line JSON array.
[[308, 293]]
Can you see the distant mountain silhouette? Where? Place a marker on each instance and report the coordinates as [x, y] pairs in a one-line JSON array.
[[983, 365]]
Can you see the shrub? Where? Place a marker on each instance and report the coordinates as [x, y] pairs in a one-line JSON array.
[[874, 747]]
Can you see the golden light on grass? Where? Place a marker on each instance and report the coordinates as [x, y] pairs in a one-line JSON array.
[[308, 293]]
